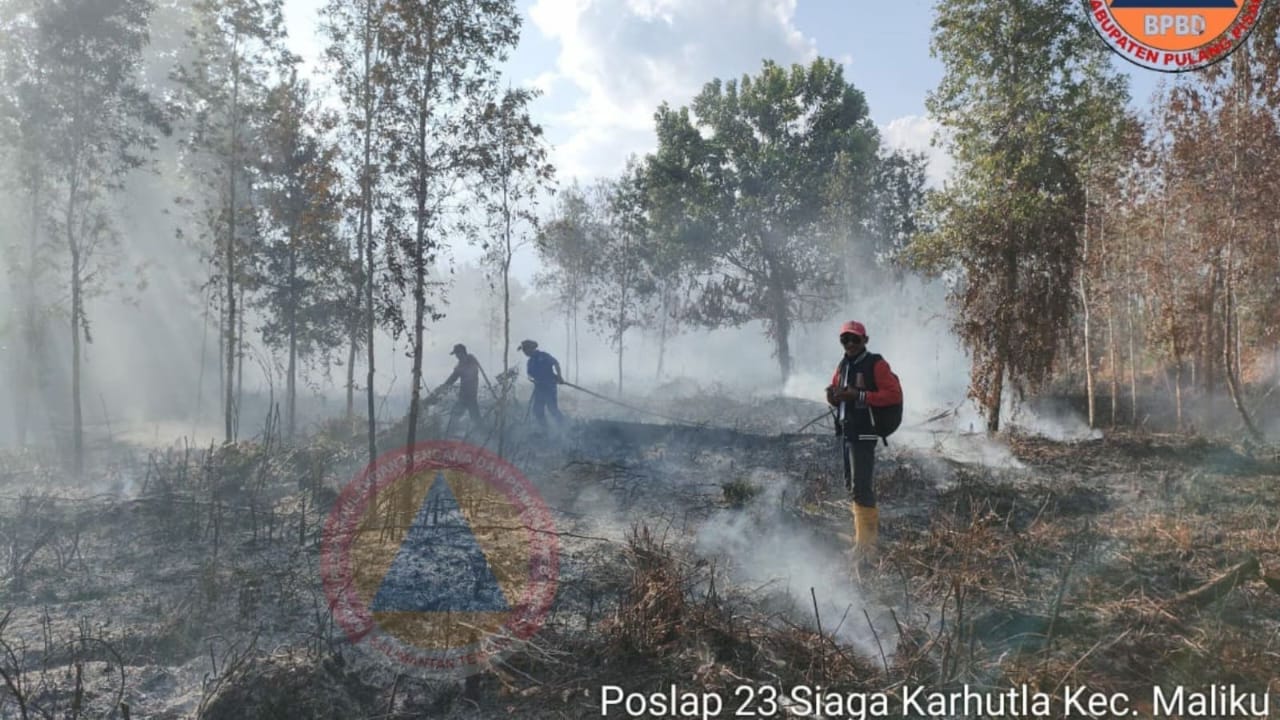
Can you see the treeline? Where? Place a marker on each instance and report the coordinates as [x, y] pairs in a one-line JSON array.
[[1076, 235], [322, 209], [1088, 240], [768, 199], [320, 206]]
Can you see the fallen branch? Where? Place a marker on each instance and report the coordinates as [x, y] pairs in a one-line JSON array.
[[1217, 588]]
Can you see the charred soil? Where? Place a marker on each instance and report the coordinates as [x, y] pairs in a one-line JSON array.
[[186, 583]]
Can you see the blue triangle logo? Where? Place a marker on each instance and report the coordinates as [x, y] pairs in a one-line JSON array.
[[440, 566]]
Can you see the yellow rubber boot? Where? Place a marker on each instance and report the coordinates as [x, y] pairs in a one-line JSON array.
[[866, 531]]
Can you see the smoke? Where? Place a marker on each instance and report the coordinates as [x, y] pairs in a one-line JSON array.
[[765, 549], [1053, 421]]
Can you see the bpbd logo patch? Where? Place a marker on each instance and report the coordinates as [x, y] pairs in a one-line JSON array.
[[1174, 35], [440, 559]]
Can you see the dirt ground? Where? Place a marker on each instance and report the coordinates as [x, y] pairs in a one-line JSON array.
[[186, 582]]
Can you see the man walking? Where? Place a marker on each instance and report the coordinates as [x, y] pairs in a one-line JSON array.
[[862, 386], [468, 372], [544, 371]]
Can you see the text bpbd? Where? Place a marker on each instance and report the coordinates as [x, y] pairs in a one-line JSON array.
[[1180, 24]]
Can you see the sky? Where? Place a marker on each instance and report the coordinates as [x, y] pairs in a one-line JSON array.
[[604, 66]]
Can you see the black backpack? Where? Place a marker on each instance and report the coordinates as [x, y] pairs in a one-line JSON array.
[[888, 418]]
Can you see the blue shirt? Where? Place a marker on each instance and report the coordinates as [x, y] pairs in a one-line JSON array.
[[540, 368]]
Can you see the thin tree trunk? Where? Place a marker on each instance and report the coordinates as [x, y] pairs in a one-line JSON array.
[[1229, 313], [352, 332], [1209, 333], [1112, 353], [662, 334], [27, 378], [1083, 290], [508, 252], [622, 320], [618, 340], [366, 203], [230, 263], [239, 362], [1177, 391], [1114, 360], [222, 351], [291, 395], [1133, 366], [781, 328], [77, 297], [995, 398], [353, 324], [506, 318], [1235, 304], [419, 253], [1088, 352], [506, 314]]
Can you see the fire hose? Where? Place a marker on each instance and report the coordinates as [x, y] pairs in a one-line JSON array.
[[634, 408], [831, 413]]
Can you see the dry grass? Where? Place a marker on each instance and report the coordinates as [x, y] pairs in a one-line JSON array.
[[1072, 570]]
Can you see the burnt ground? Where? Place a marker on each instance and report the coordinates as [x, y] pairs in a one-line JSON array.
[[185, 582]]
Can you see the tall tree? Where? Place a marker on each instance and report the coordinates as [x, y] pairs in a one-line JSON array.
[[304, 260], [99, 127], [896, 207], [513, 172], [680, 214], [236, 46], [622, 287], [357, 53], [23, 109], [568, 254], [770, 150], [1021, 82], [444, 55]]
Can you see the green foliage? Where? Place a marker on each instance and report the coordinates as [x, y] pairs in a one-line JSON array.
[[512, 171], [897, 206], [771, 173], [439, 74], [567, 248], [623, 280], [1027, 94], [303, 261]]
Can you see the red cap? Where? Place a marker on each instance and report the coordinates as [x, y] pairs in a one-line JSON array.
[[853, 327]]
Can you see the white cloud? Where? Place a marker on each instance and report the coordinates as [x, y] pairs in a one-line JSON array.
[[625, 57], [916, 133]]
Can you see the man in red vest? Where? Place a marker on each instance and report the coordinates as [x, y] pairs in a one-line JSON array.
[[862, 384]]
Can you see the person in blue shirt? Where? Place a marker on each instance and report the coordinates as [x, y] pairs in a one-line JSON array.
[[544, 371]]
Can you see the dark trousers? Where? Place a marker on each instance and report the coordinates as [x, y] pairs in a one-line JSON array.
[[859, 463], [544, 401], [469, 405]]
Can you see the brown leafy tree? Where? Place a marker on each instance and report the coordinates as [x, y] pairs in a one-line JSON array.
[[1022, 83]]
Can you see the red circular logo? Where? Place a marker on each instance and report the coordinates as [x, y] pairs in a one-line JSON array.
[[1174, 35], [440, 557]]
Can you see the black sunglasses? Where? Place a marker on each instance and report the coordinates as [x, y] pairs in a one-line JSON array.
[[850, 340]]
